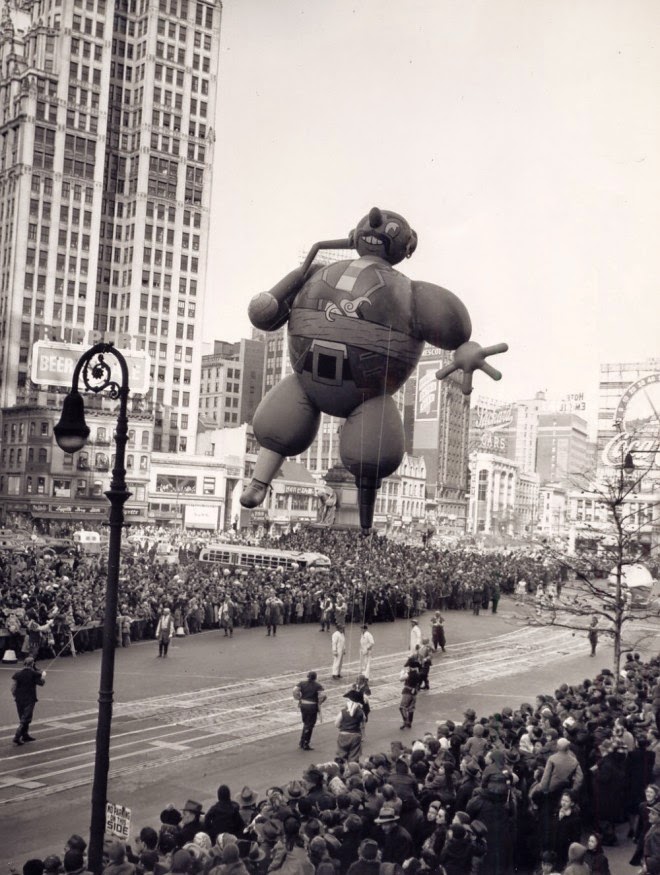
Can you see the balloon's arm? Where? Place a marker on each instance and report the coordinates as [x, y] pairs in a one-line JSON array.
[[270, 310], [471, 357]]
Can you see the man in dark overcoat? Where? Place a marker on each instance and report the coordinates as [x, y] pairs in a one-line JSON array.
[[24, 685]]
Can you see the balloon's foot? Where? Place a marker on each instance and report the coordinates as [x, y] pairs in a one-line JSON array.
[[254, 494]]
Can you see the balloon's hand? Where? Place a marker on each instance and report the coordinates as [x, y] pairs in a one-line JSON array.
[[471, 357], [270, 310], [263, 310]]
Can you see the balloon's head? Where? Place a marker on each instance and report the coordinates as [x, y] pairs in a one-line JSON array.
[[385, 234]]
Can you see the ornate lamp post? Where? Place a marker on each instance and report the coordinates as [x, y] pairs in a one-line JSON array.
[[71, 434]]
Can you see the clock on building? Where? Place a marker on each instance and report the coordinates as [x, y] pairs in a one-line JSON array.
[[638, 411], [637, 421]]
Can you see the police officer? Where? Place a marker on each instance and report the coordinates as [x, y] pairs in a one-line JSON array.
[[24, 685], [310, 697]]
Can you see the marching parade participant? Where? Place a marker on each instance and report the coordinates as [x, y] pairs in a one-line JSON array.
[[310, 696], [338, 650], [438, 631], [367, 643]]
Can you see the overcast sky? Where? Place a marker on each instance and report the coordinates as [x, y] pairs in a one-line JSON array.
[[520, 138]]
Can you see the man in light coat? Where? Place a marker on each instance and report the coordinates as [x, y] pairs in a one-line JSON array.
[[367, 643], [562, 772], [415, 637], [338, 651]]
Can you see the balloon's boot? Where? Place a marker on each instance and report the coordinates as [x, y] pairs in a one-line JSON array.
[[254, 493]]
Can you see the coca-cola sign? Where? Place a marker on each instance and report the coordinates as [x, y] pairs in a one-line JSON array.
[[614, 451]]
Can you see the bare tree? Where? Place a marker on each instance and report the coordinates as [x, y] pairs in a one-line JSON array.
[[600, 588]]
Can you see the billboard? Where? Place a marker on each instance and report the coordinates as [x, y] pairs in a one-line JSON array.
[[427, 398], [201, 516], [53, 364]]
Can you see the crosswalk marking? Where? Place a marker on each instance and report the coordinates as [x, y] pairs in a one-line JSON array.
[[178, 728]]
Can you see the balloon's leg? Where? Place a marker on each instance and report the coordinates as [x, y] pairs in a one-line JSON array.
[[267, 465], [367, 492]]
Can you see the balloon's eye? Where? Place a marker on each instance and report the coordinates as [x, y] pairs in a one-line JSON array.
[[392, 229]]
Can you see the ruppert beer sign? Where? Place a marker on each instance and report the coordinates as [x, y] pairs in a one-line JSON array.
[[53, 364]]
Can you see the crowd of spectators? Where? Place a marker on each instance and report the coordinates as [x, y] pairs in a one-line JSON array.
[[53, 604], [547, 787]]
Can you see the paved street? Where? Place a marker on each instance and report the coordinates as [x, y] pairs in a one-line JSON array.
[[220, 710]]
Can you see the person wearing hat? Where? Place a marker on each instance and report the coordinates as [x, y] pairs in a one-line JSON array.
[[165, 631], [651, 848], [367, 644], [191, 821], [410, 676], [310, 695], [362, 687], [438, 631], [338, 642], [350, 723], [415, 637], [24, 685], [424, 654], [368, 861], [247, 805], [393, 840]]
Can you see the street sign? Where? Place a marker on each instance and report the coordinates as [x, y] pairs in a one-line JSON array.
[[54, 362], [117, 820]]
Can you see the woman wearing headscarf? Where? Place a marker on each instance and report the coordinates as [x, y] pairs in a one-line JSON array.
[[651, 796], [595, 857]]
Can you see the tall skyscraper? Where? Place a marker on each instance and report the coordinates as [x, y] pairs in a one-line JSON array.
[[440, 435], [106, 151]]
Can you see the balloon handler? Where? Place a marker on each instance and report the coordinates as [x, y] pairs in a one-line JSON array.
[[357, 329]]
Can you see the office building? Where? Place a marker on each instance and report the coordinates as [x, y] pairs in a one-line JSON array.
[[440, 436], [106, 153], [562, 449], [231, 383]]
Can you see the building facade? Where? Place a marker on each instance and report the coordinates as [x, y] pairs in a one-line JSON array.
[[441, 437], [562, 448], [106, 152], [629, 401], [42, 486], [231, 383]]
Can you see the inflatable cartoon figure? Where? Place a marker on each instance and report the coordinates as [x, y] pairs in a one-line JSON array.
[[356, 332]]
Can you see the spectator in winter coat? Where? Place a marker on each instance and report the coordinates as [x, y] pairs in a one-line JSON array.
[[223, 816], [562, 771], [456, 856], [576, 864], [566, 826], [477, 745], [368, 861], [595, 857]]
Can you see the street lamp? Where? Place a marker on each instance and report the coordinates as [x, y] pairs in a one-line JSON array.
[[71, 434]]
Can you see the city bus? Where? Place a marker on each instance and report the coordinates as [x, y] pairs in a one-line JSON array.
[[242, 556]]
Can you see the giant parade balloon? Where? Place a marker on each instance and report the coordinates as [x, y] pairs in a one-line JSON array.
[[356, 330]]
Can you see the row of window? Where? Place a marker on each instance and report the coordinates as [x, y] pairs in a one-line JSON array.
[[80, 24]]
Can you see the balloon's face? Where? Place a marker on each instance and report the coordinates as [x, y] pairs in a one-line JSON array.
[[386, 235]]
